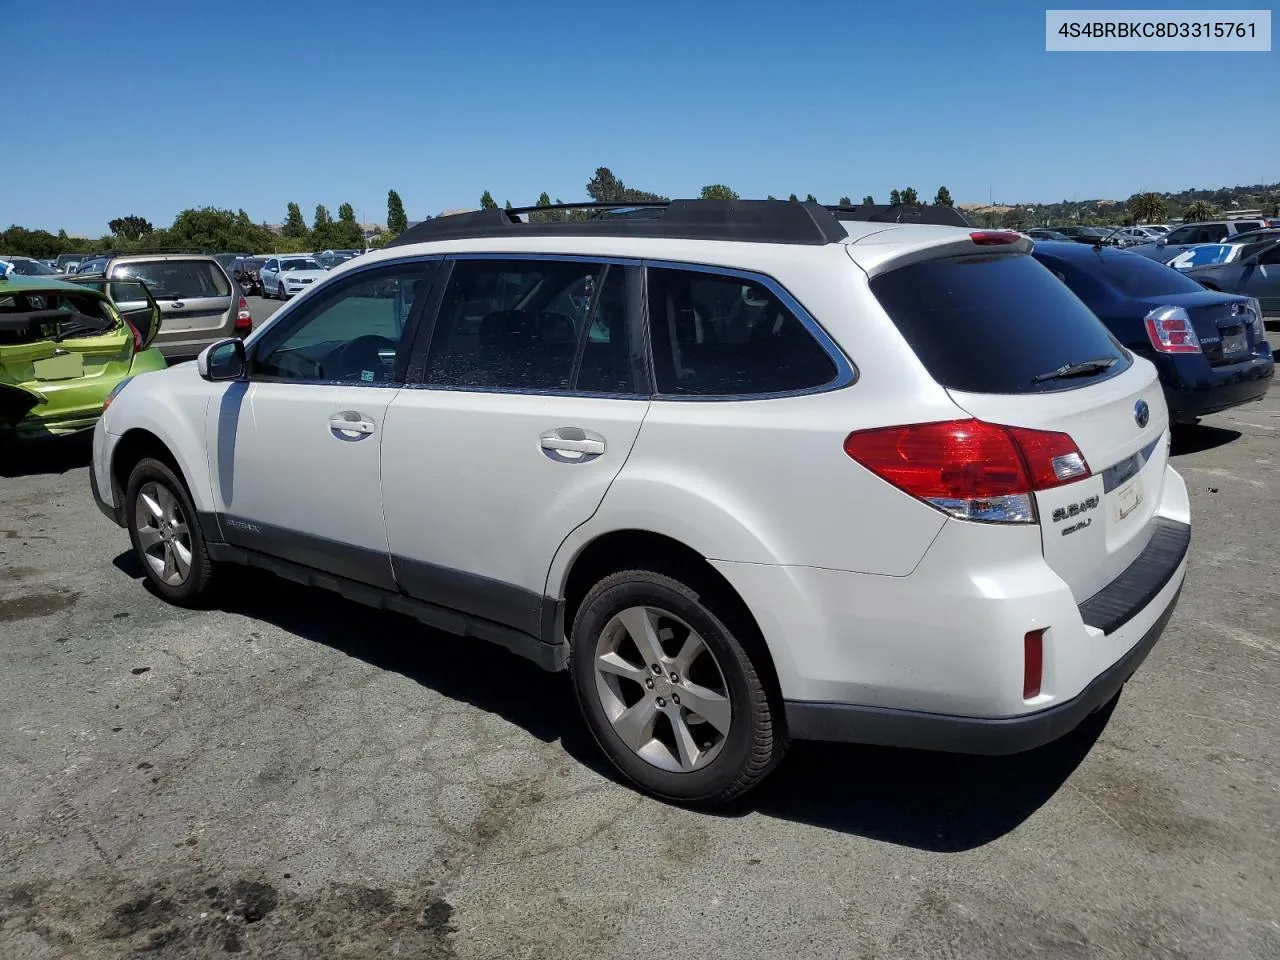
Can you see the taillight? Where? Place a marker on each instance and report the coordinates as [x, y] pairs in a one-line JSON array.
[[1170, 331], [137, 338], [970, 469], [992, 238], [244, 319]]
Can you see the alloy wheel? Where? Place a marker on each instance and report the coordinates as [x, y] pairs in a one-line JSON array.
[[662, 689], [163, 533]]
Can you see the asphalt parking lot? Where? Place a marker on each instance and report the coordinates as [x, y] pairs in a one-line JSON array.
[[292, 775]]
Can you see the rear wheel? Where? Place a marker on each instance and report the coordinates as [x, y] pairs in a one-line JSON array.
[[669, 692], [166, 535]]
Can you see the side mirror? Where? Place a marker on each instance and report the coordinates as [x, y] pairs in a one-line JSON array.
[[1162, 242], [224, 360]]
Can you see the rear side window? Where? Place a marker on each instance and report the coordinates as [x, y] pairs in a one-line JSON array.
[[716, 335], [994, 323], [1137, 276], [177, 279]]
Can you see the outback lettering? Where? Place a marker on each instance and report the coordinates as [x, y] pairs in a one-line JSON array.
[[1077, 526]]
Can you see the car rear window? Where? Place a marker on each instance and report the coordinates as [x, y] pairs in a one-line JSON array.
[[177, 279], [993, 323], [1138, 276]]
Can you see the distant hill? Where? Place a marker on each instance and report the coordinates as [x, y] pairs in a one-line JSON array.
[[1224, 201]]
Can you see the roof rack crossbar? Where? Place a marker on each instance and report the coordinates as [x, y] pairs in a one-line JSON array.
[[748, 221]]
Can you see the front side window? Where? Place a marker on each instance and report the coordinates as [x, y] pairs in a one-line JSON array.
[[352, 335], [542, 325], [1183, 235], [717, 335]]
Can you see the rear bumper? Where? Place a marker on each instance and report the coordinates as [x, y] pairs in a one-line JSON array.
[[976, 735], [1219, 389], [1152, 582]]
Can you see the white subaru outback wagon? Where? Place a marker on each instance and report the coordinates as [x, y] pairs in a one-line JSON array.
[[750, 470]]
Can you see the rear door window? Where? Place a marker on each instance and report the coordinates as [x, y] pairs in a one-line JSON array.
[[994, 323], [177, 279], [717, 335]]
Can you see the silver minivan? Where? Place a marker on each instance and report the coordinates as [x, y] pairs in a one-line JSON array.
[[199, 303]]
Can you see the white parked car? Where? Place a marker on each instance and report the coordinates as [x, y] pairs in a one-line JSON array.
[[748, 471], [283, 276]]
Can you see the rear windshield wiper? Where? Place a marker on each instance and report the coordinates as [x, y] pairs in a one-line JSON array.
[[1081, 369]]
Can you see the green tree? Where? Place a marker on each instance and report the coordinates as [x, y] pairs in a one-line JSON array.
[[869, 200], [846, 202], [895, 197], [771, 197], [1197, 211], [551, 216], [943, 198], [130, 227], [810, 198], [487, 202], [1147, 207], [209, 228], [397, 222], [909, 197], [507, 205], [794, 198], [322, 229], [347, 231], [294, 226], [718, 191], [604, 187]]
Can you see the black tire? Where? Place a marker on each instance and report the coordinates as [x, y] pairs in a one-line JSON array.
[[756, 739], [198, 586]]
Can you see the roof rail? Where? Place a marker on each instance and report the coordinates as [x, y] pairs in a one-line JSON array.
[[145, 251], [748, 221], [902, 213]]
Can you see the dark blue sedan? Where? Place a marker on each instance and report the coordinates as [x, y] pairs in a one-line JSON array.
[[1210, 348]]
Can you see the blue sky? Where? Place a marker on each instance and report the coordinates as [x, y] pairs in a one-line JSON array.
[[325, 102]]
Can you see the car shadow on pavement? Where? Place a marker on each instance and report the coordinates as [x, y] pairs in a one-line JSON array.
[[1198, 438], [939, 802], [928, 801], [44, 456]]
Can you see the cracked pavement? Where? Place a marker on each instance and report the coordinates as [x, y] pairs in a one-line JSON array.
[[293, 775]]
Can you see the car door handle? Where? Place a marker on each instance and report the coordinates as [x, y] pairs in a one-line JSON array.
[[349, 421], [573, 446]]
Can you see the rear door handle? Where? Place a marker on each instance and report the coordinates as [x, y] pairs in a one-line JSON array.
[[349, 421], [573, 446]]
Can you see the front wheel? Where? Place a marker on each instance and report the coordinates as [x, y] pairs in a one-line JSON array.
[[669, 692], [166, 535]]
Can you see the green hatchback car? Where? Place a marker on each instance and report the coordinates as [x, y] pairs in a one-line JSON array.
[[64, 346]]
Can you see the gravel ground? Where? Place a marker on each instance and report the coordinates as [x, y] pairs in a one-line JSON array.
[[292, 775]]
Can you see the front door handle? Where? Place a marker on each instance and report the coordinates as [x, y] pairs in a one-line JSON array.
[[351, 422]]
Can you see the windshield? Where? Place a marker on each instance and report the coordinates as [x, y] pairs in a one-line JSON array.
[[30, 268], [1140, 276], [177, 279], [300, 264]]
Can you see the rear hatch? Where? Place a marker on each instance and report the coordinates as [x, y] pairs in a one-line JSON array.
[[194, 295], [1014, 346], [60, 352]]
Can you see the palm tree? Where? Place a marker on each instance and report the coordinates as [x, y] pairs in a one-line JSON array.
[[1196, 212], [1147, 207]]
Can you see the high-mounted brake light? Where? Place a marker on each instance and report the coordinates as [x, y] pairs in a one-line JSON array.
[[244, 318], [1170, 331], [970, 469], [993, 238]]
